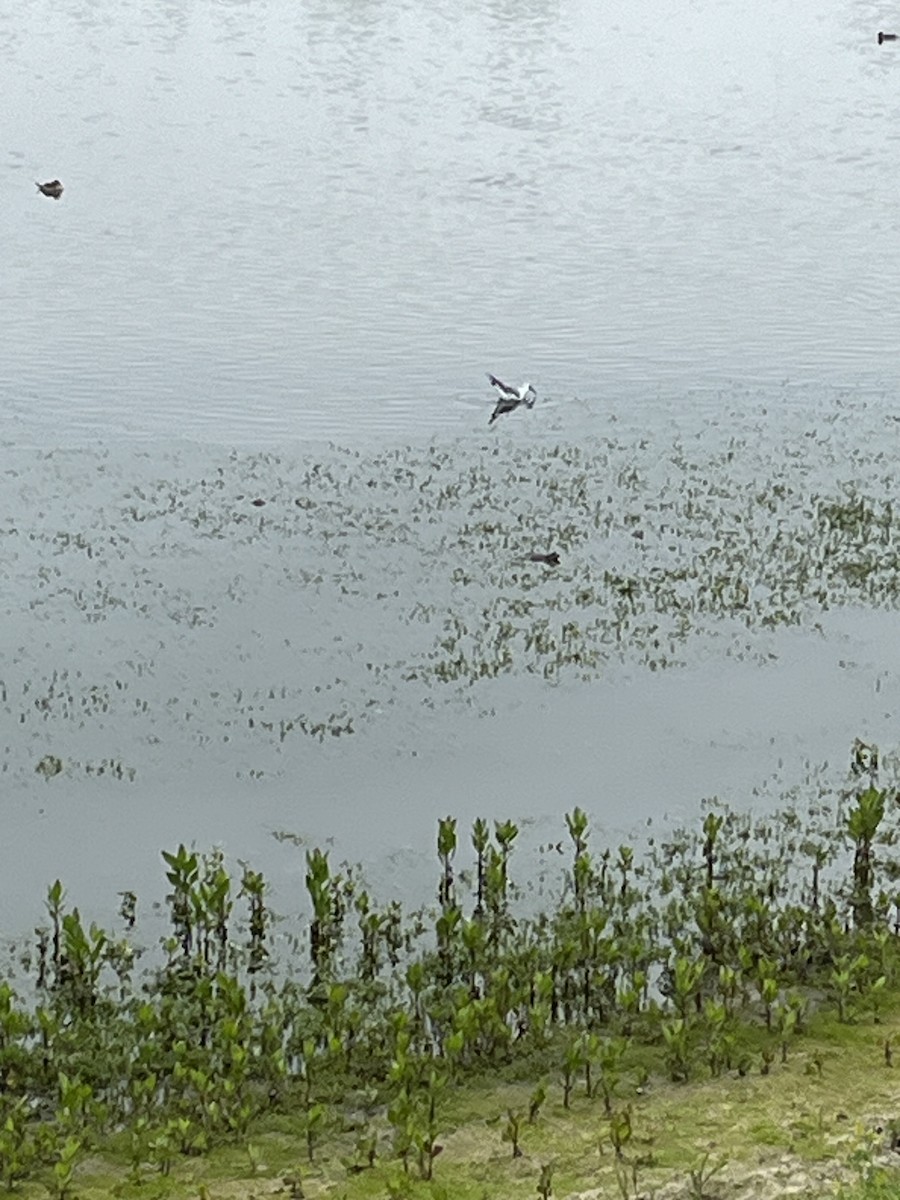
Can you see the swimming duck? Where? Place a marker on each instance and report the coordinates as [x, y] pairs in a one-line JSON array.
[[54, 188], [510, 397]]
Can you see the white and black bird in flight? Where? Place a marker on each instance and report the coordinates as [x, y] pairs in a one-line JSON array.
[[510, 397]]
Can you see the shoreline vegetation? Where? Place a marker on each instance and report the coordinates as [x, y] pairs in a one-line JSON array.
[[715, 1015]]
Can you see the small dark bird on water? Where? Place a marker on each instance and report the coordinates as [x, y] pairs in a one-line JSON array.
[[54, 188], [886, 37], [510, 397], [551, 559]]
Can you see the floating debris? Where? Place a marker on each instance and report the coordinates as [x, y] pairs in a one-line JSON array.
[[551, 559], [886, 37]]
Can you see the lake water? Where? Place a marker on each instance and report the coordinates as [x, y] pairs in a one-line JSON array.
[[287, 220], [289, 224]]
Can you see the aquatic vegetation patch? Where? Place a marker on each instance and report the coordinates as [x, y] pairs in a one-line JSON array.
[[354, 581]]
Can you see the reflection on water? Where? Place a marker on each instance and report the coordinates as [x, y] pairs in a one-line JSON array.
[[330, 218]]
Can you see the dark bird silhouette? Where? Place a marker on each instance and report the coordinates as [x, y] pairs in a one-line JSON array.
[[54, 188], [886, 37]]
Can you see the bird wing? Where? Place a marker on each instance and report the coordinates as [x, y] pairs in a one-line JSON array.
[[504, 405], [504, 387]]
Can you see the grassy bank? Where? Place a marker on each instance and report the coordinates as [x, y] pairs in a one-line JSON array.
[[816, 1125], [711, 1014]]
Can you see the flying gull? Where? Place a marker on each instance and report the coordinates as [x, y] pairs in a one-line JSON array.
[[510, 397]]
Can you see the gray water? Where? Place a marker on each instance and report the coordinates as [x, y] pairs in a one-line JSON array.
[[218, 647], [306, 220], [290, 223]]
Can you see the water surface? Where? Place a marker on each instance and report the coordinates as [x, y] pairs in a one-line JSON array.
[[219, 646], [291, 223], [288, 220]]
